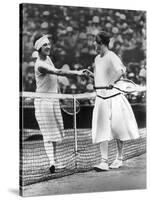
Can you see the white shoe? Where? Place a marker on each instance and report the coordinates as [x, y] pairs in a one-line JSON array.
[[116, 164], [103, 166]]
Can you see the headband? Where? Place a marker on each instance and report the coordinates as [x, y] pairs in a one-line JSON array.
[[39, 43]]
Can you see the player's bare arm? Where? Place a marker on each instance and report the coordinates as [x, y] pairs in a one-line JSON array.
[[119, 73], [118, 76], [60, 72]]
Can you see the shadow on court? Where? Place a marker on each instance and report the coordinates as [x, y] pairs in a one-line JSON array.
[[14, 191], [131, 176]]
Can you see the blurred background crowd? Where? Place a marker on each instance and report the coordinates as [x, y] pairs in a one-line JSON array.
[[72, 30]]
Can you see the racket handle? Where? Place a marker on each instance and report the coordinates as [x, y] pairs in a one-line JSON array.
[[104, 87]]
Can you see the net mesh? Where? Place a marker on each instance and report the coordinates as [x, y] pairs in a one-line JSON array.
[[75, 153]]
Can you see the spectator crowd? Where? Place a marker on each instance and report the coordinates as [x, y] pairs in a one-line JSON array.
[[72, 30]]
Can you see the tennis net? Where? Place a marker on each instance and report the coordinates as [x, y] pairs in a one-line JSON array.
[[75, 153]]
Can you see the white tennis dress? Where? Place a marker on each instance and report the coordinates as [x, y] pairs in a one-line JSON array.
[[112, 117], [47, 111]]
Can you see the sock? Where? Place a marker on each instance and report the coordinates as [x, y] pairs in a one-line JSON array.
[[104, 150], [50, 152], [120, 149]]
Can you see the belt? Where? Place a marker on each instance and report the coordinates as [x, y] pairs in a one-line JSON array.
[[109, 96]]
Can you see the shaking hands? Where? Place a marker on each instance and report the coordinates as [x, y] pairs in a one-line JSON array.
[[86, 73]]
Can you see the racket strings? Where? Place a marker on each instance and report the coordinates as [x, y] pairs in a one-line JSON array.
[[70, 106], [125, 86]]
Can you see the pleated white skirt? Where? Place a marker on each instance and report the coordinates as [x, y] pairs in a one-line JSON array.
[[48, 115]]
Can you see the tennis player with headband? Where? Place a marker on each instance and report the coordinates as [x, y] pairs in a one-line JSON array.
[[47, 111], [112, 115]]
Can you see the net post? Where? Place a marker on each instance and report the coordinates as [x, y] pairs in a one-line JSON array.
[[75, 128]]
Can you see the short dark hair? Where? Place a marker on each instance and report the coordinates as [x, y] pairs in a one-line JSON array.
[[37, 36], [103, 38]]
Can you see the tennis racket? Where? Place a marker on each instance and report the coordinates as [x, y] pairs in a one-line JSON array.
[[70, 106], [125, 86]]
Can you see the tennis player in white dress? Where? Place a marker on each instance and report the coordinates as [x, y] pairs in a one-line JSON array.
[[112, 115], [47, 111]]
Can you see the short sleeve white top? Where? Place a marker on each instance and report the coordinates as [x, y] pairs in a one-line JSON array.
[[106, 68], [45, 82], [105, 71]]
